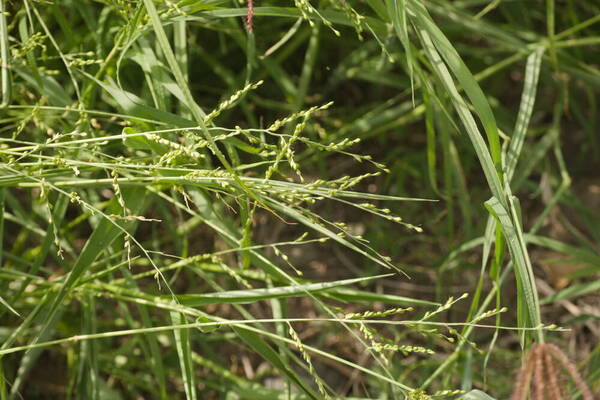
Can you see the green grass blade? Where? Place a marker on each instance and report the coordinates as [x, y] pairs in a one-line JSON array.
[[352, 295], [9, 307], [481, 150], [482, 108], [133, 105], [397, 14], [572, 291], [5, 75], [528, 298], [182, 342], [308, 67], [249, 296], [577, 255], [532, 73], [180, 78], [88, 386]]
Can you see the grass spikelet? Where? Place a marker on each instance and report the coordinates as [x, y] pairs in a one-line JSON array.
[[231, 101], [379, 314], [304, 114], [306, 357], [308, 11]]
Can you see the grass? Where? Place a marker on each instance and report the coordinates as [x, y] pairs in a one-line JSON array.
[[299, 200]]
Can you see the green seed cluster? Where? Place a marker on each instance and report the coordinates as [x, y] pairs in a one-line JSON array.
[[379, 314], [308, 360], [231, 101], [355, 18], [308, 11]]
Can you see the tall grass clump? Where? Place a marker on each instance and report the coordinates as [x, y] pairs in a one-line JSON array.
[[299, 200]]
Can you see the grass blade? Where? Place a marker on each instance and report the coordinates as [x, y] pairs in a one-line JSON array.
[[249, 296], [182, 342], [5, 76]]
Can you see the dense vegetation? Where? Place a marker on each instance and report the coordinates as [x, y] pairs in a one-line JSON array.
[[215, 199]]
